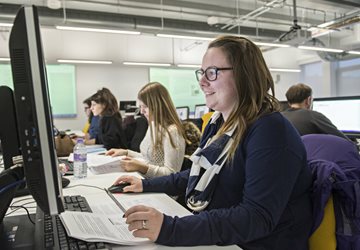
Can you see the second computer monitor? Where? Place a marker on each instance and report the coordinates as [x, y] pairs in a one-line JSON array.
[[183, 113], [200, 110], [344, 112]]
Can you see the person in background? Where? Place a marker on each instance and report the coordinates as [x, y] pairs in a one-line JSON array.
[[135, 130], [91, 128], [111, 133], [193, 135], [163, 146], [301, 115], [249, 183]]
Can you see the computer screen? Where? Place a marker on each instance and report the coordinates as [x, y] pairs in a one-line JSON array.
[[9, 139], [183, 113], [200, 110], [33, 112], [128, 106], [343, 112]]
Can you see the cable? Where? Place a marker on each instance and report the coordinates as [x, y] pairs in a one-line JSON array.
[[27, 211], [11, 185], [29, 198], [86, 186]]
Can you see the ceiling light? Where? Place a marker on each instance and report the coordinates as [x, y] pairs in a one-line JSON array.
[[147, 64], [54, 4], [98, 30], [285, 70], [280, 45], [195, 66], [6, 24], [4, 59], [354, 52], [323, 25], [186, 37], [83, 61], [321, 49]]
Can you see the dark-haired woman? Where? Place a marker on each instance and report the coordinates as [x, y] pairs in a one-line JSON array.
[[111, 134]]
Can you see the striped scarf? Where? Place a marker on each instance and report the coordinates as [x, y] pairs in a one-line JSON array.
[[207, 160]]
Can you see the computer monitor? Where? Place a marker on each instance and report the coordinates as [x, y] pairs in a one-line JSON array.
[[128, 106], [200, 110], [9, 139], [33, 112], [183, 113], [344, 112]]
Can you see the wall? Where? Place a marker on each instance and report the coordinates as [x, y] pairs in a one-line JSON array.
[[125, 81]]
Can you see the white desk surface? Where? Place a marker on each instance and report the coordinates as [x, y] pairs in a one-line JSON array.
[[97, 198]]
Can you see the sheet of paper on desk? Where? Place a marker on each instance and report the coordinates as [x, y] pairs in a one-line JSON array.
[[101, 164], [92, 227], [159, 201]]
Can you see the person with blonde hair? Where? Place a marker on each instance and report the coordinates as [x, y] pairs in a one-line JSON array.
[[249, 184], [163, 146]]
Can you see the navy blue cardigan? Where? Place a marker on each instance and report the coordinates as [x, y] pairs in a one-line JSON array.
[[262, 200]]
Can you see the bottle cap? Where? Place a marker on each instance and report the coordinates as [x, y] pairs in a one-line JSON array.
[[79, 140]]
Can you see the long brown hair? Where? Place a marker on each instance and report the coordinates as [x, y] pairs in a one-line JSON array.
[[253, 82], [161, 111]]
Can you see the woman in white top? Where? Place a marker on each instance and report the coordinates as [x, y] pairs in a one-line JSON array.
[[163, 147]]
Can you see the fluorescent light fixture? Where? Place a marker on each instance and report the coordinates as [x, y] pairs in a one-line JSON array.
[[196, 66], [147, 64], [285, 70], [321, 49], [6, 24], [186, 37], [354, 52], [83, 61], [273, 44], [324, 25], [4, 59], [98, 30]]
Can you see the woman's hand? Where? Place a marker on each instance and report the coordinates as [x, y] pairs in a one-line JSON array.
[[145, 222], [129, 165], [116, 152], [135, 183]]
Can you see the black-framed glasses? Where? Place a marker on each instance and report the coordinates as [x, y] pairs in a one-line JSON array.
[[211, 73]]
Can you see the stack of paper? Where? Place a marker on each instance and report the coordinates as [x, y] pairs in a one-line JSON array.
[[101, 164], [92, 227]]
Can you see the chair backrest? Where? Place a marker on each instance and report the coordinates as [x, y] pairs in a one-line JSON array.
[[335, 164]]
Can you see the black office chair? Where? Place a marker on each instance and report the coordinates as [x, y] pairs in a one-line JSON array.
[[186, 164]]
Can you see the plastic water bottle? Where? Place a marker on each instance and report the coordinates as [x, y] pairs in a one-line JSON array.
[[80, 164]]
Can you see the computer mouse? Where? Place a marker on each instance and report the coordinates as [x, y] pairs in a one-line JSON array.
[[65, 182], [118, 188]]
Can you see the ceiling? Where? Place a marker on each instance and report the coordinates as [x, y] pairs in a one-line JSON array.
[[271, 20]]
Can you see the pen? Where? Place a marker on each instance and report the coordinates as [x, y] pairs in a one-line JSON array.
[[116, 201]]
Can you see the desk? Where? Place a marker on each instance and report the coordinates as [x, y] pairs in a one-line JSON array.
[[94, 195]]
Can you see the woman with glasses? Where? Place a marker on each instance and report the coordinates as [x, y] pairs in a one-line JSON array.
[[249, 184], [111, 133], [163, 147]]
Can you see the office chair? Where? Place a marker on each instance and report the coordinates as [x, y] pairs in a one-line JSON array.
[[335, 163]]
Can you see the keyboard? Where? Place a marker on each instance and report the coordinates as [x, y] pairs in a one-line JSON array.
[[51, 234]]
